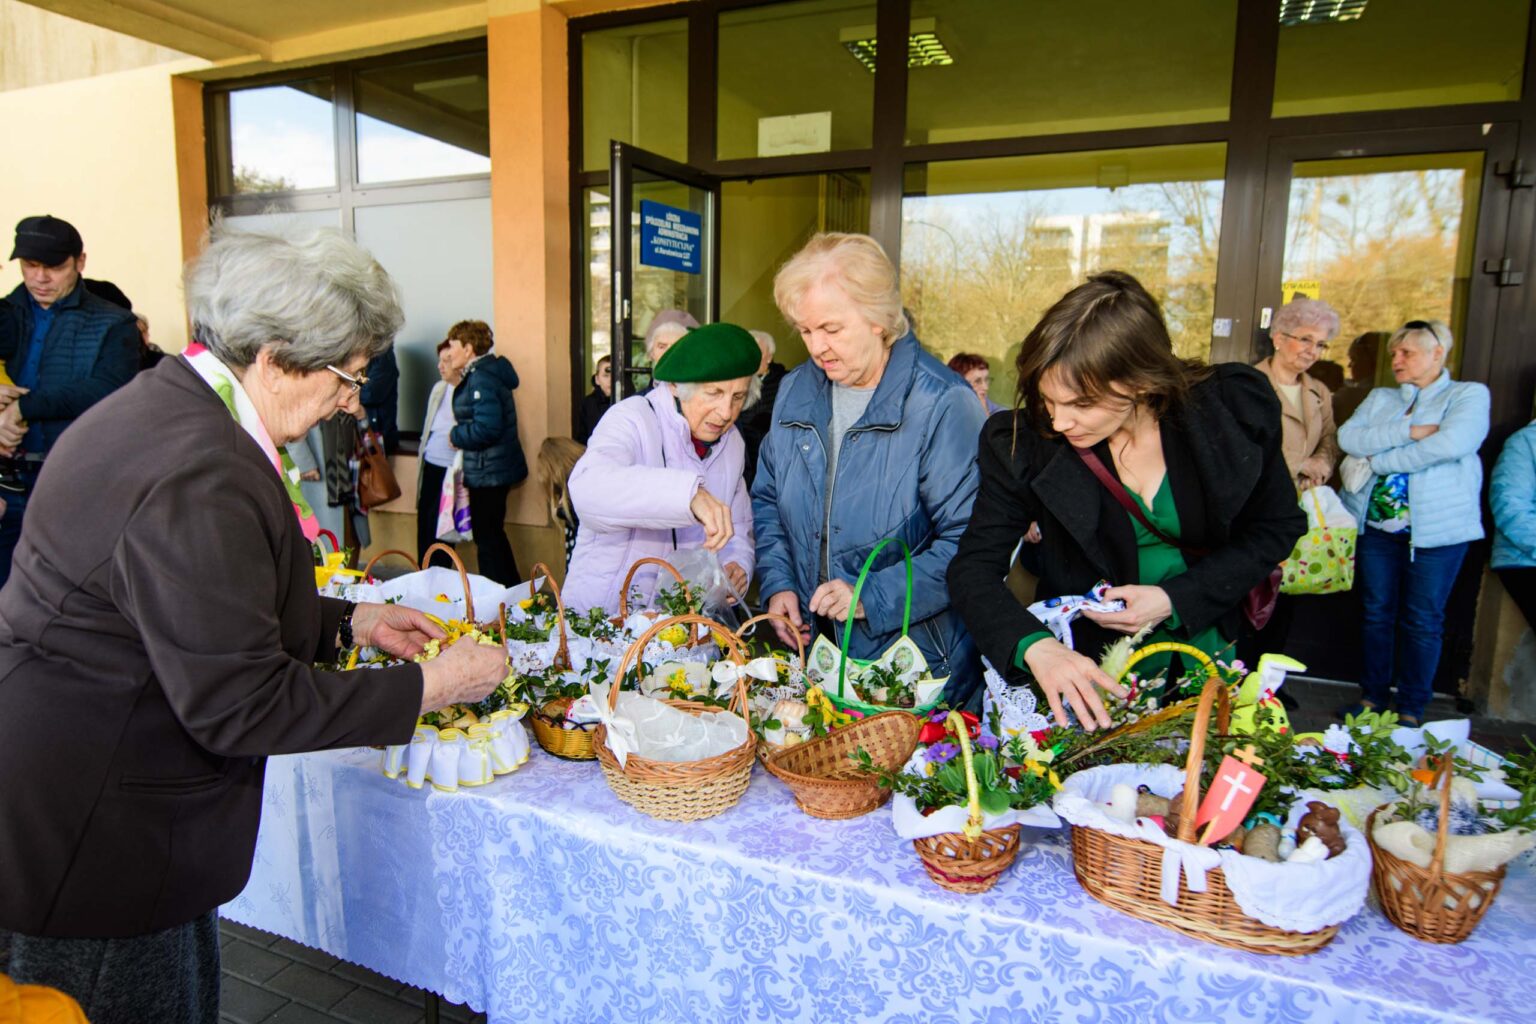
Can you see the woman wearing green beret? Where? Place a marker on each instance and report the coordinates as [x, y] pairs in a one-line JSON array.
[[663, 470]]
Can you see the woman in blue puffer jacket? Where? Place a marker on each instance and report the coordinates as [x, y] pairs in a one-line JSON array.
[[1513, 497], [872, 438], [485, 417], [1418, 505]]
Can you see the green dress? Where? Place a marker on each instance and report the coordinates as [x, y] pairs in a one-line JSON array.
[[1157, 561]]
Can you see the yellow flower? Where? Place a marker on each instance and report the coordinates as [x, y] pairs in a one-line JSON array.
[[678, 683], [674, 635], [444, 598], [1055, 779], [525, 603]]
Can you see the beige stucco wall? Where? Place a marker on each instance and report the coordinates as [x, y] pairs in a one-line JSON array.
[[38, 47], [102, 153]]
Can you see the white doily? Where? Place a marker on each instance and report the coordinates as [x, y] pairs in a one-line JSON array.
[[1015, 705]]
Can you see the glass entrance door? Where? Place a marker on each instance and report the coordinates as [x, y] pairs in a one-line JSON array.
[[1385, 228], [669, 258]]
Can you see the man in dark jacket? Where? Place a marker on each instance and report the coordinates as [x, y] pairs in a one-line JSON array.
[[65, 349], [756, 419], [485, 415]]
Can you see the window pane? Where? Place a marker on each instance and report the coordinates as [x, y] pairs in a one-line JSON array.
[[634, 88], [409, 241], [1383, 241], [796, 78], [1406, 53], [1059, 66], [425, 120], [597, 298], [282, 137], [764, 222], [988, 245]]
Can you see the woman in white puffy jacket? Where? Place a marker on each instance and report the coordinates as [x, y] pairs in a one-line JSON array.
[[1417, 486]]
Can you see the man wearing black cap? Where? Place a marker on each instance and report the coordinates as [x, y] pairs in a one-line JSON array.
[[65, 350]]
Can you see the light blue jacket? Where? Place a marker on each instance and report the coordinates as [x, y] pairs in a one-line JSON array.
[[1513, 497], [1445, 476]]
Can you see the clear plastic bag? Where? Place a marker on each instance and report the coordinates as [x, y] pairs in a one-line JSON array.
[[706, 578]]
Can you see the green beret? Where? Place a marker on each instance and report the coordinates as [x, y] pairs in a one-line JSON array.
[[710, 353]]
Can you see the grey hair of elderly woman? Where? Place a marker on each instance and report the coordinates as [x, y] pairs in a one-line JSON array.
[[1425, 334], [317, 297], [766, 342], [686, 390], [1301, 313]]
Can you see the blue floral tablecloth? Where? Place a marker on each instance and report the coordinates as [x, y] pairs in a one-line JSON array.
[[542, 896]]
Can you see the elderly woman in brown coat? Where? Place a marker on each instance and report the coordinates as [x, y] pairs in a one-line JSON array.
[[160, 630], [1301, 331]]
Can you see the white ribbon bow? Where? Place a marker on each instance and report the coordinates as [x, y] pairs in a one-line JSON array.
[[621, 739], [726, 673]]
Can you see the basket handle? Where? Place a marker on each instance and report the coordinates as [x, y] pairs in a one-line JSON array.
[[458, 563], [563, 651], [776, 617], [1169, 647], [1443, 775], [335, 544], [368, 569], [629, 578], [1215, 692], [956, 723], [858, 589], [734, 651]]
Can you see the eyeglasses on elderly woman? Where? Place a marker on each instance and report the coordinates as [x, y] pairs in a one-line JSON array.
[[354, 384]]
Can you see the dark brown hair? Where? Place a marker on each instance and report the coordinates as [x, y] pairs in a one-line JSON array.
[[964, 362], [1105, 337], [474, 333]]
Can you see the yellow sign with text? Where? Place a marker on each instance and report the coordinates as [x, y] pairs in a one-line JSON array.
[[1292, 289]]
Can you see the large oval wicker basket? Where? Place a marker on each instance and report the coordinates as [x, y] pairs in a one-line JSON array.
[[1431, 903], [679, 790], [1127, 873], [822, 773]]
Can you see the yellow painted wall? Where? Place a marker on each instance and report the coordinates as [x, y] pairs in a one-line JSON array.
[[102, 153]]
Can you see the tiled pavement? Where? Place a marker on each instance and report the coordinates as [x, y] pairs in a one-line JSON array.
[[271, 980]]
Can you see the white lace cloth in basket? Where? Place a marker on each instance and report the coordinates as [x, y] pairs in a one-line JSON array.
[[1295, 897]]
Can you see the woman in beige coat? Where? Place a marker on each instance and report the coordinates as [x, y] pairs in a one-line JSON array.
[[1301, 331]]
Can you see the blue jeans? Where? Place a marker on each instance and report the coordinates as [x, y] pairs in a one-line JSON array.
[[1403, 593]]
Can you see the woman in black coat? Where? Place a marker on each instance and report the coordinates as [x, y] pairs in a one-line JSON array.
[[485, 417], [1197, 449]]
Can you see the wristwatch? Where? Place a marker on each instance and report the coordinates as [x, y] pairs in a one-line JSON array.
[[344, 628]]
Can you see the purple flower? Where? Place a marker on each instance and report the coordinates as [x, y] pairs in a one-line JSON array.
[[986, 741], [942, 753], [939, 715]]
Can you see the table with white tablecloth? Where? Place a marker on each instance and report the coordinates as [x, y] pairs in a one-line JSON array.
[[542, 896]]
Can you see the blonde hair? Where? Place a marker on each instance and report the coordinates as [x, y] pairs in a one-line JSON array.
[[557, 457], [856, 264]]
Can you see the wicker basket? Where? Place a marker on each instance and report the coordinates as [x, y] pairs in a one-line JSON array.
[[679, 790], [973, 860], [823, 777], [1127, 873], [376, 559], [765, 750], [1431, 903], [571, 744], [694, 640]]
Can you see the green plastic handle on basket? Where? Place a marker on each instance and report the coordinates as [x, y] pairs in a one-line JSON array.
[[858, 588], [957, 725]]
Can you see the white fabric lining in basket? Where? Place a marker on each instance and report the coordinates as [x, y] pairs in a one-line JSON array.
[[1295, 897]]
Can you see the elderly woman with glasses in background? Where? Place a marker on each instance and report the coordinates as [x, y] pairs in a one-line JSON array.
[[485, 429], [160, 631], [1301, 331], [1417, 486]]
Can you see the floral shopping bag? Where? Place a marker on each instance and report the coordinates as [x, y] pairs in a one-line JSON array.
[[1323, 561]]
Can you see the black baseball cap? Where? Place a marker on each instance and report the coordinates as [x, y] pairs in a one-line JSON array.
[[46, 239]]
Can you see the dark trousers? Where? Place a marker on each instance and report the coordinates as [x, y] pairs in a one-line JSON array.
[[1403, 591], [10, 527], [168, 977], [426, 510], [1521, 586], [488, 518]]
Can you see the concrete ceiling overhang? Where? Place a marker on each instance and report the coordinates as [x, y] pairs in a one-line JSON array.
[[248, 36]]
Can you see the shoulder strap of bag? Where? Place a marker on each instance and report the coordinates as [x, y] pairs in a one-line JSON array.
[[1117, 491]]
